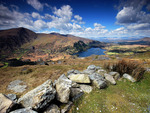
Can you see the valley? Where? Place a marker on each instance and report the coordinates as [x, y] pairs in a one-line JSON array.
[[47, 56]]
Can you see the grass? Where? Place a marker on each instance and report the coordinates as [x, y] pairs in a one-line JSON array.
[[132, 67], [125, 97]]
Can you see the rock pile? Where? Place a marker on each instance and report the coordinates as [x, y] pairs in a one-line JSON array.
[[48, 97]]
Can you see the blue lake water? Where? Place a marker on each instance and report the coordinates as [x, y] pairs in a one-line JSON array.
[[91, 51]]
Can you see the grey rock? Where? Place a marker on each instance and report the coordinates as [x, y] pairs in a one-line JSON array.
[[6, 105], [93, 67], [59, 62], [67, 107], [76, 93], [52, 109], [39, 97], [63, 86], [80, 78], [95, 76], [110, 79], [101, 72], [148, 69], [73, 72], [86, 88], [98, 80], [17, 86], [129, 77], [24, 110], [75, 85], [88, 71], [12, 97], [115, 75]]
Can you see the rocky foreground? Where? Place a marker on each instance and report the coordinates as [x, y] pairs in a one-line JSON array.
[[49, 96]]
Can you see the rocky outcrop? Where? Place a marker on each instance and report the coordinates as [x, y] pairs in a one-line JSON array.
[[63, 86], [98, 80], [49, 96], [101, 72], [76, 93], [73, 72], [80, 78], [75, 85], [17, 86], [12, 97], [24, 110], [6, 105], [39, 97], [129, 77], [110, 79], [86, 88], [115, 75], [91, 69], [52, 109]]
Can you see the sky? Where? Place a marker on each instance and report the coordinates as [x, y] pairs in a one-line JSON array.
[[84, 18]]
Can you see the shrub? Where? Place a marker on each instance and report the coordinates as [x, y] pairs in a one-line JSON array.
[[134, 68]]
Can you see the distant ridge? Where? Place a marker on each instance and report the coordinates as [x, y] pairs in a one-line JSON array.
[[14, 38], [26, 44]]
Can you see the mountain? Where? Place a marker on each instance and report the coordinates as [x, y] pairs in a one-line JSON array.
[[14, 38], [26, 44], [142, 41]]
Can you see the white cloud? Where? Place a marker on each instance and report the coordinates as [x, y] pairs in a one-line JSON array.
[[40, 24], [134, 22], [98, 26], [141, 26], [35, 4], [64, 11], [79, 18], [36, 15]]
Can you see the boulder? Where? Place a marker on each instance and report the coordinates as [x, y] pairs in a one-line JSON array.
[[12, 97], [75, 93], [52, 109], [110, 79], [80, 78], [129, 77], [115, 75], [86, 88], [75, 85], [67, 107], [88, 71], [101, 72], [24, 110], [98, 80], [91, 69], [6, 105], [17, 86], [73, 72], [39, 97], [63, 86]]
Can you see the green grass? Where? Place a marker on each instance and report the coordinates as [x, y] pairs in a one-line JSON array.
[[125, 97], [6, 65]]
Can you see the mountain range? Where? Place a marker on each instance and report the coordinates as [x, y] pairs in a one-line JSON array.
[[26, 44]]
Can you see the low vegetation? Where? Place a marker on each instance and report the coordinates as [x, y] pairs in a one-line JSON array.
[[132, 67]]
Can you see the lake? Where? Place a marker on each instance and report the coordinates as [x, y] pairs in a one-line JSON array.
[[91, 51]]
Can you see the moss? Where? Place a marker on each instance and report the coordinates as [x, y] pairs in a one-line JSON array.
[[124, 97]]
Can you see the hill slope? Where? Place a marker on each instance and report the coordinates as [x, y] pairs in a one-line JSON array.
[[14, 38], [25, 44]]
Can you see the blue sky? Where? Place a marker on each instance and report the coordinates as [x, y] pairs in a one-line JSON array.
[[85, 18]]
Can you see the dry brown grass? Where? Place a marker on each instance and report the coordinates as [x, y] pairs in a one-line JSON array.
[[132, 67]]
